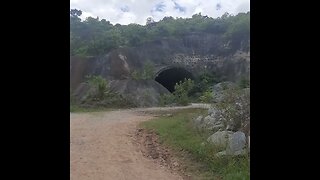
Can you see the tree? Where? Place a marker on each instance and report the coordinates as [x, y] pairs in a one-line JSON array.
[[149, 21], [75, 13], [182, 91], [96, 37]]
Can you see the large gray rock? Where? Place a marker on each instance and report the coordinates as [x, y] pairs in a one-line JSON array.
[[233, 143], [218, 90], [223, 86], [220, 138], [212, 123], [144, 93], [249, 144], [211, 111], [236, 144]]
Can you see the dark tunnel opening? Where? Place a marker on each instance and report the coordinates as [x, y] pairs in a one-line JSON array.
[[169, 77]]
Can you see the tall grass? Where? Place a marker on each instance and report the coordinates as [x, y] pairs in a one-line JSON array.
[[178, 133]]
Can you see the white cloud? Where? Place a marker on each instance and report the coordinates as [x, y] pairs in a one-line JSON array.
[[137, 11]]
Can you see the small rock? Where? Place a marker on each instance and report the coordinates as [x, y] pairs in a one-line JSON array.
[[175, 164], [222, 153], [211, 111]]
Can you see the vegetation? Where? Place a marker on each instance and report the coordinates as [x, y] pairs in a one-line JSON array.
[[93, 37], [99, 97], [99, 88], [145, 74], [202, 91], [182, 91], [235, 108], [166, 99], [198, 90], [181, 94], [178, 133], [244, 83], [206, 97]]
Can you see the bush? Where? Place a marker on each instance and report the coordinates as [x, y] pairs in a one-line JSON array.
[[182, 91], [99, 88], [244, 83], [166, 99], [196, 157], [145, 74], [100, 95], [180, 96], [206, 97], [235, 108]]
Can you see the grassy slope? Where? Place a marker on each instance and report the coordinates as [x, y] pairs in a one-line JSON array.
[[189, 144], [74, 108]]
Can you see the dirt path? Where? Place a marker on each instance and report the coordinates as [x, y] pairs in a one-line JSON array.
[[102, 147]]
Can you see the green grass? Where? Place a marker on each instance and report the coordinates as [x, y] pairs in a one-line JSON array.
[[74, 108], [178, 133]]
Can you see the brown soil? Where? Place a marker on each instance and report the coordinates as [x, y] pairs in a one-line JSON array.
[[103, 146], [109, 145]]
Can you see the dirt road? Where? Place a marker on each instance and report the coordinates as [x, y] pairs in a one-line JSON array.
[[102, 147]]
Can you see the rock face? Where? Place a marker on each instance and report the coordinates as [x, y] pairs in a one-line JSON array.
[[219, 90], [144, 93], [195, 53]]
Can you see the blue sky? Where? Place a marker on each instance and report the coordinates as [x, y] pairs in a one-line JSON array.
[[137, 11]]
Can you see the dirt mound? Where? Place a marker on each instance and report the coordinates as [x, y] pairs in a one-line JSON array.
[[151, 147]]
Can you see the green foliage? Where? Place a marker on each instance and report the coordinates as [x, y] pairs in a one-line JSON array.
[[244, 83], [181, 95], [99, 88], [94, 37], [100, 95], [148, 71], [182, 91], [146, 74], [238, 32], [166, 99], [205, 81], [136, 75], [206, 97], [235, 107], [178, 133]]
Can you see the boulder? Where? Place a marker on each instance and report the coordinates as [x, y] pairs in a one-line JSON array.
[[218, 90], [236, 144], [212, 123], [233, 143], [220, 138]]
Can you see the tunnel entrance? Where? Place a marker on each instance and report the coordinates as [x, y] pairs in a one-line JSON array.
[[169, 77]]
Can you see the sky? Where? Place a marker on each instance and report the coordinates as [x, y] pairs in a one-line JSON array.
[[137, 11]]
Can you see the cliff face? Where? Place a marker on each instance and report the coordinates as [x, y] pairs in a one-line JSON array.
[[195, 53]]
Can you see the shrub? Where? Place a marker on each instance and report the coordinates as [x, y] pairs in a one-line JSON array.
[[244, 83], [99, 88], [206, 97], [145, 74], [235, 108], [100, 95], [182, 91], [166, 99]]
